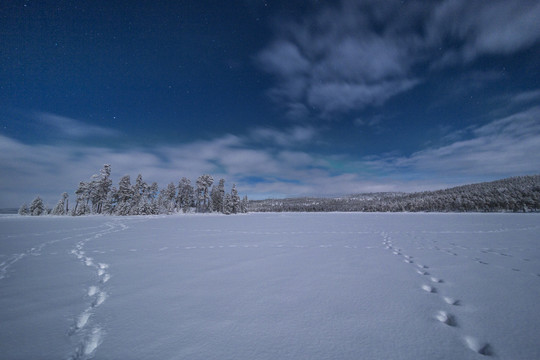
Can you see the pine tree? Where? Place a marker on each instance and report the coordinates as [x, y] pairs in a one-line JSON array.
[[217, 195], [227, 204], [167, 199], [152, 198], [110, 202], [235, 200], [203, 195], [125, 195], [99, 188], [184, 198], [60, 208], [244, 205], [23, 210], [37, 207], [81, 205]]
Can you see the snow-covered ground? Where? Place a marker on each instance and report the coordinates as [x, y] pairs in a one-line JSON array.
[[271, 286]]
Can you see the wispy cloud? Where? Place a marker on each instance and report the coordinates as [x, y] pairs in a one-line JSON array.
[[73, 128], [355, 54], [507, 146], [495, 27], [294, 136], [504, 147], [334, 62], [526, 96]]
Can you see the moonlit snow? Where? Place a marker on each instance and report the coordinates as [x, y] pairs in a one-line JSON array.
[[271, 286]]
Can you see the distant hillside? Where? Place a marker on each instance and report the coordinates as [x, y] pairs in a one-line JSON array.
[[516, 194]]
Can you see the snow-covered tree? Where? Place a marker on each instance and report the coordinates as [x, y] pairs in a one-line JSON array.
[[184, 199], [60, 208], [167, 200], [110, 202], [81, 204], [203, 194], [125, 195], [227, 204], [217, 194], [244, 205], [98, 196], [138, 199], [23, 210], [152, 198], [99, 188], [235, 200], [37, 207]]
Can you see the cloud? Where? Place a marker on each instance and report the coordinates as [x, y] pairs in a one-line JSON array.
[[73, 128], [369, 122], [526, 96], [342, 96], [284, 59], [49, 170], [505, 147], [495, 27], [278, 170], [354, 54], [291, 137], [334, 61]]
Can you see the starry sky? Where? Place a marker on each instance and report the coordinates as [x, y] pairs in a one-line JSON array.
[[283, 98]]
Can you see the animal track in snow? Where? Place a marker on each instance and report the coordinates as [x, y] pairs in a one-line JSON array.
[[478, 346], [92, 338], [451, 301], [105, 278], [83, 319], [92, 290], [89, 344], [446, 318], [101, 297], [480, 261]]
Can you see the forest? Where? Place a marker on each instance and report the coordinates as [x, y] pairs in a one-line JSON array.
[[99, 196], [516, 194]]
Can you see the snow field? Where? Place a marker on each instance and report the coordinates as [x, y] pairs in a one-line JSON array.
[[271, 286]]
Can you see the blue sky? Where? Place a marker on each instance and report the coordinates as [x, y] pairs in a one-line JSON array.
[[283, 98]]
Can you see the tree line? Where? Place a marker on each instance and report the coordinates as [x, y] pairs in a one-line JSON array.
[[99, 196], [516, 194]]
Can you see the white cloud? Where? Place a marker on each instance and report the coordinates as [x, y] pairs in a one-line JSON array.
[[284, 58], [508, 146], [290, 137], [343, 96], [494, 27], [505, 147], [358, 53], [334, 61], [526, 96], [73, 128]]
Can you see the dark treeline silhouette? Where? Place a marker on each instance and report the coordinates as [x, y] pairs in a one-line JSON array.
[[99, 196], [516, 194]]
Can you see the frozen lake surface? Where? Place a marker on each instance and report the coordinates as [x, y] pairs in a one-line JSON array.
[[271, 286]]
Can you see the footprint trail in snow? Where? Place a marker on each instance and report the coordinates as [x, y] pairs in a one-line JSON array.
[[91, 338], [443, 316]]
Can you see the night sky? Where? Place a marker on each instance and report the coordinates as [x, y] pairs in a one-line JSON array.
[[283, 98]]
